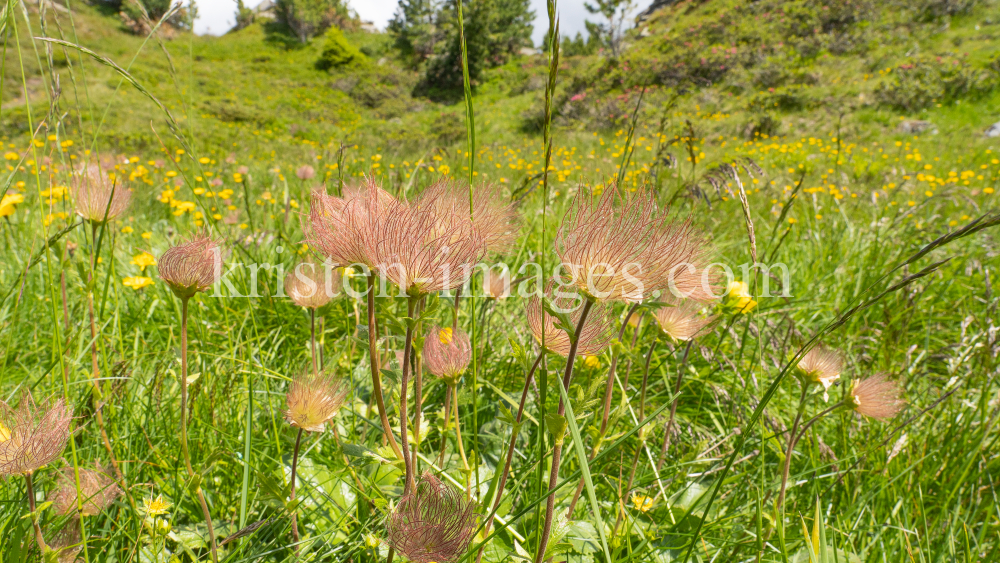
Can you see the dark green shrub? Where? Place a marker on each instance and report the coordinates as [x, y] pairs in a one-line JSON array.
[[338, 51], [927, 80]]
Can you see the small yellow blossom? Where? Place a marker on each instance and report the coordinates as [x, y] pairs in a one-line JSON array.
[[143, 260], [8, 202], [147, 235], [137, 282], [642, 503], [738, 298], [126, 230], [445, 336], [156, 507], [592, 361]]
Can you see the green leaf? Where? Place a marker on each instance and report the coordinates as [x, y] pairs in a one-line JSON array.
[[556, 424], [581, 455]]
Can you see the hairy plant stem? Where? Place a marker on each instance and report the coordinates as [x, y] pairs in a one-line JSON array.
[[184, 430], [791, 444], [312, 340], [642, 438], [498, 496], [404, 383], [42, 547], [673, 406], [458, 439], [447, 420], [95, 369], [794, 440], [291, 494], [550, 504], [376, 375], [418, 390], [609, 388]]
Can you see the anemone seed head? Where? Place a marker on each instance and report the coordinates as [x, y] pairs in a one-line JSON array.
[[596, 335], [191, 267], [312, 285], [433, 523], [497, 284], [32, 436], [682, 321], [312, 400], [876, 397], [97, 198], [97, 490], [447, 353], [631, 251]]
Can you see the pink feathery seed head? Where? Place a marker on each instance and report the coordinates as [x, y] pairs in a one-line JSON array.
[[682, 320], [68, 542], [426, 246], [433, 523], [97, 491], [497, 283], [192, 266], [344, 229], [596, 335], [305, 172], [821, 365], [97, 197], [876, 397], [491, 213], [632, 251], [312, 400], [312, 285], [447, 353], [32, 436]]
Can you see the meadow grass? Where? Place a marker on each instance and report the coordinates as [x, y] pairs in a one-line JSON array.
[[844, 206]]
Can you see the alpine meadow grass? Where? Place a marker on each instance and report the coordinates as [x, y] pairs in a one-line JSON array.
[[703, 299]]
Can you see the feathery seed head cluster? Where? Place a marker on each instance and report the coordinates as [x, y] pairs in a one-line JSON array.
[[682, 321], [312, 400], [97, 198], [497, 284], [305, 172], [876, 397], [32, 436], [192, 266], [597, 332], [433, 523], [97, 490], [344, 228], [821, 366], [631, 251], [447, 353], [312, 285]]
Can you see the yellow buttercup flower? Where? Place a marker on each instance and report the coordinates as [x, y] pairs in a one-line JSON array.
[[156, 507], [4, 433], [144, 260], [738, 298], [592, 362], [137, 282], [126, 229], [445, 335], [8, 203], [642, 503]]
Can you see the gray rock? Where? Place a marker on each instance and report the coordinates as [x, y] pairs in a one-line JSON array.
[[994, 130], [914, 126]]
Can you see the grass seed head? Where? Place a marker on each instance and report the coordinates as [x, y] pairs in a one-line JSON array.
[[447, 353], [192, 266], [433, 523], [312, 400], [876, 397], [32, 436]]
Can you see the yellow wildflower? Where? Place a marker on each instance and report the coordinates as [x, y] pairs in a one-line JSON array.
[[144, 260], [738, 298], [156, 507], [137, 282], [642, 503]]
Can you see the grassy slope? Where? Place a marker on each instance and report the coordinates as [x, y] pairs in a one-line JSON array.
[[933, 501]]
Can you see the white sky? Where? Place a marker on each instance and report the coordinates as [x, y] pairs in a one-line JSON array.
[[217, 16]]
